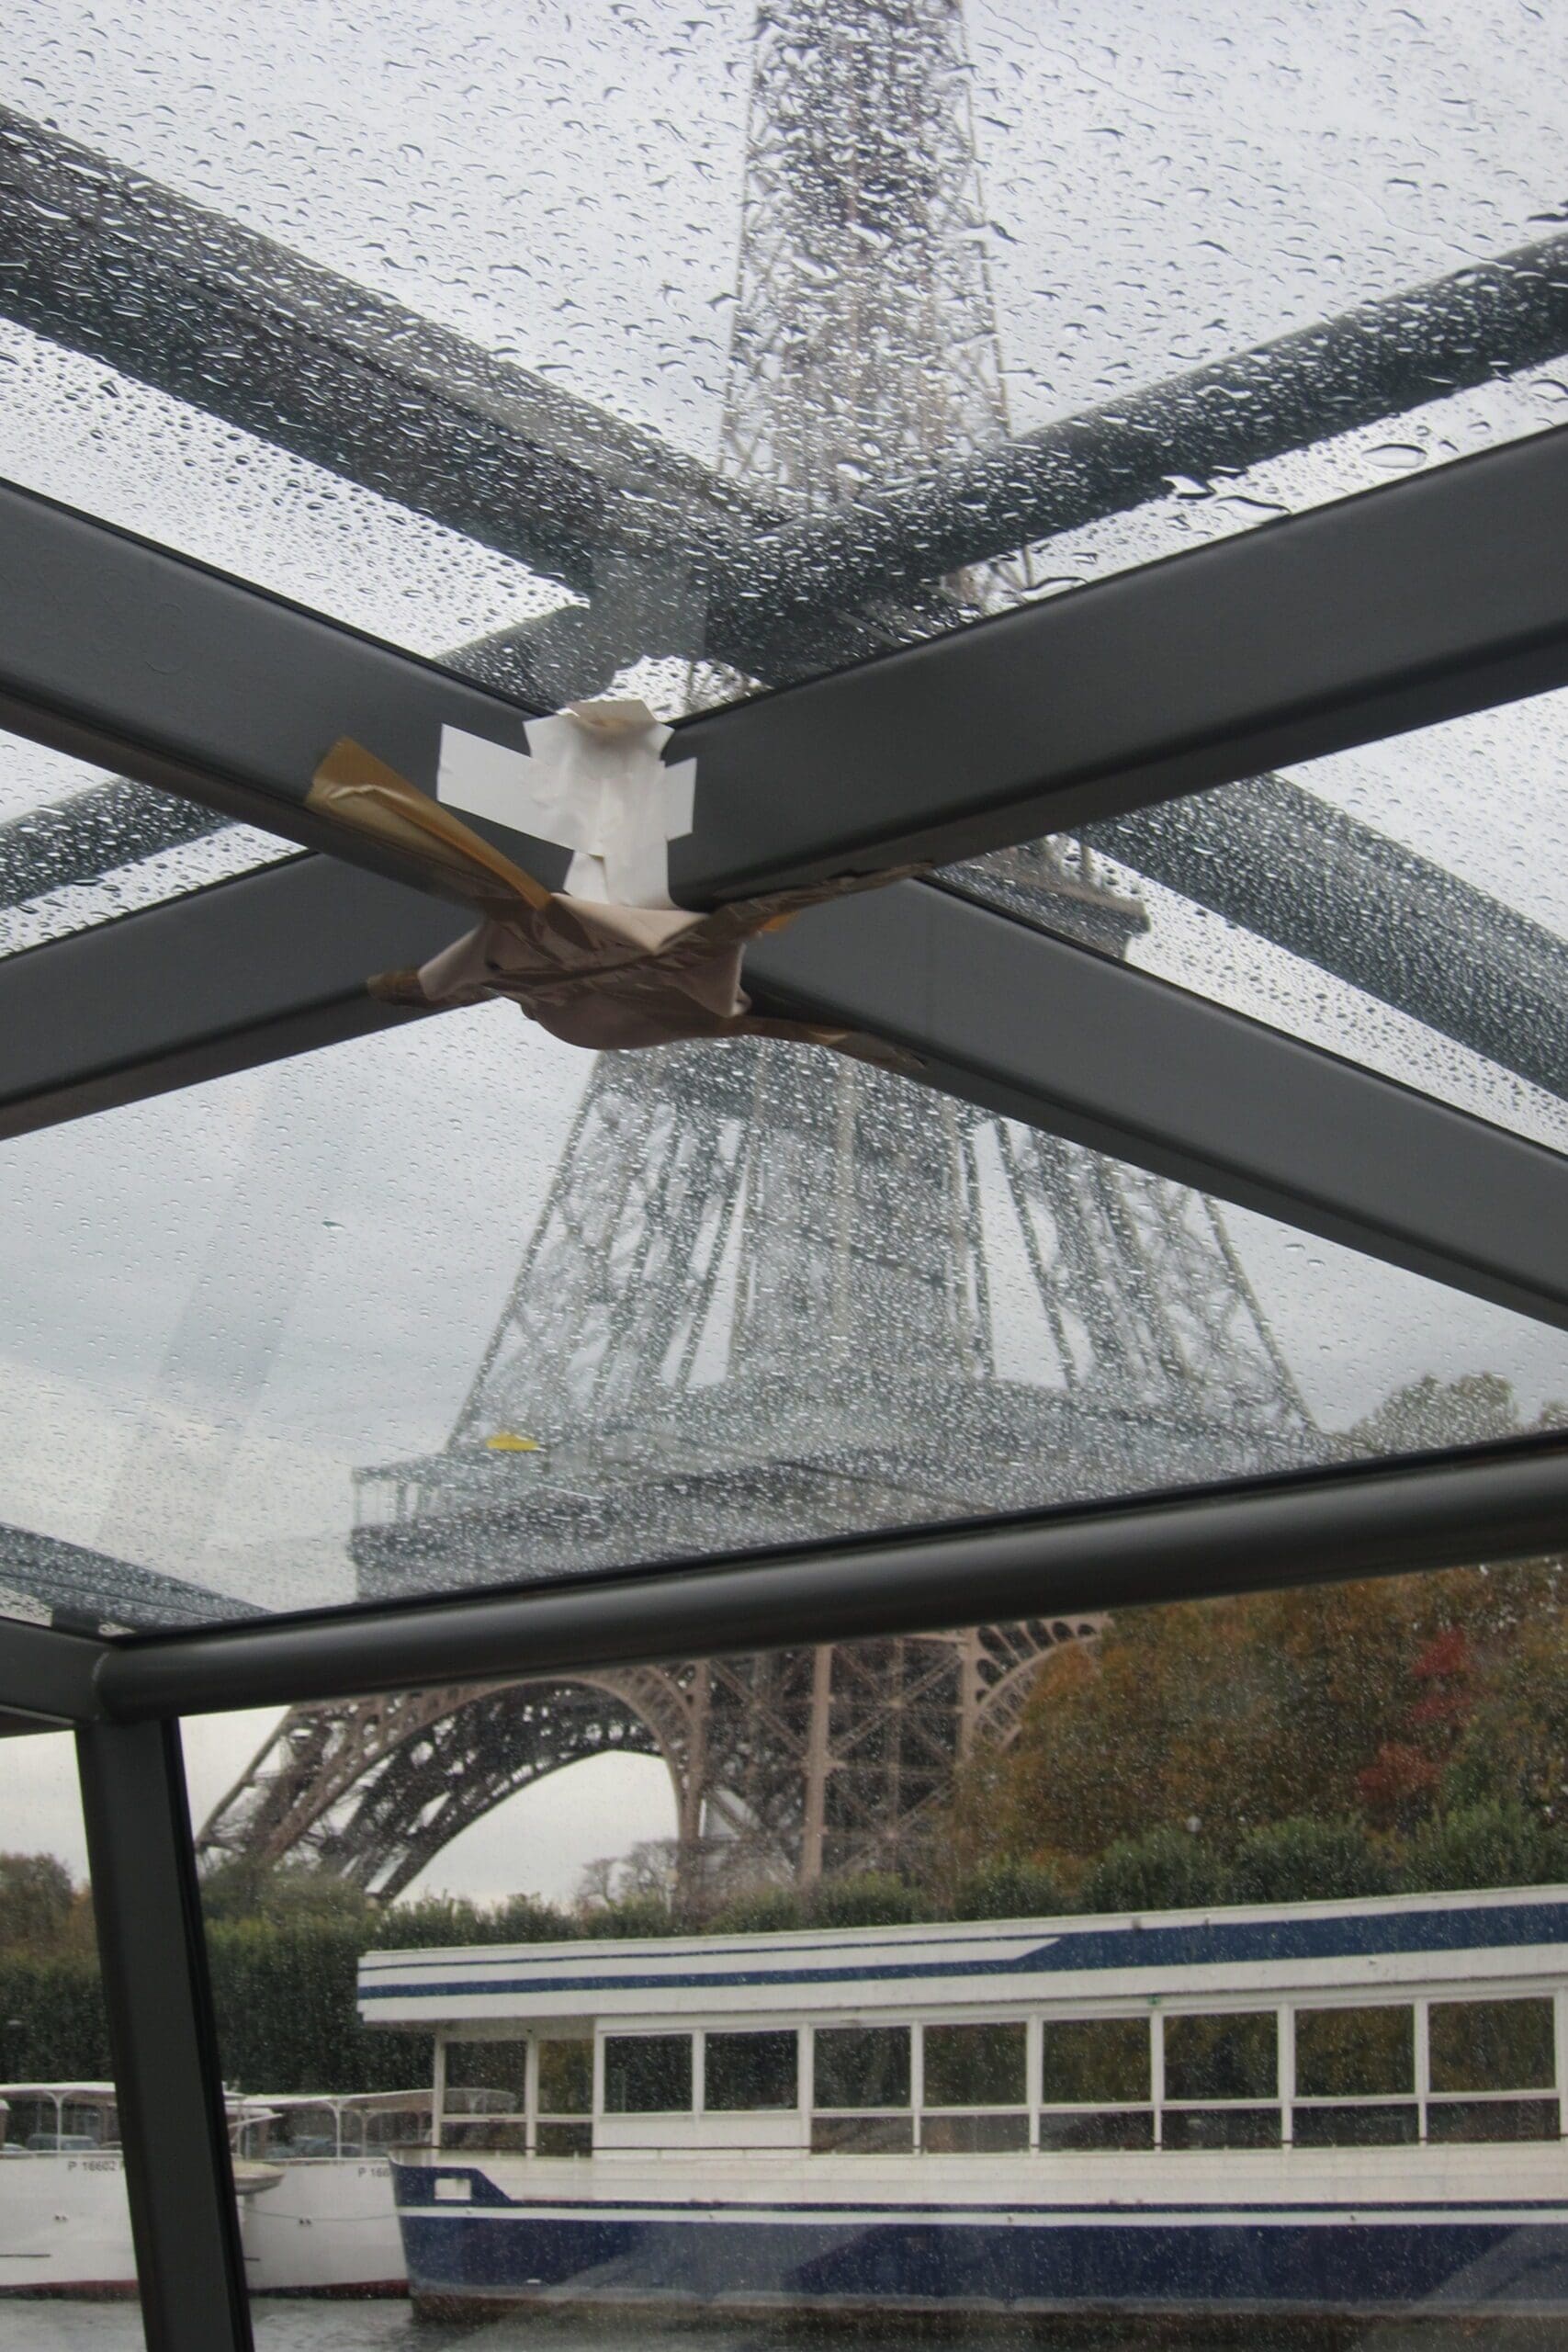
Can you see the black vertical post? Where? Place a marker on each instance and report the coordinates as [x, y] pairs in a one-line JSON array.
[[159, 2001]]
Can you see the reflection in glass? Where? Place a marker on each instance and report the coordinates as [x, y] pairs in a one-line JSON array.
[[1357, 2127], [1355, 2053], [1467, 2123], [975, 2065], [861, 2065], [566, 2074], [487, 2078], [1491, 2045], [1224, 2056], [973, 2135], [648, 2073], [1188, 2128], [862, 2135], [748, 2071], [1126, 2127], [1094, 2061]]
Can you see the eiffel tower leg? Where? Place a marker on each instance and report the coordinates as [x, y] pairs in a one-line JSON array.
[[692, 1793], [818, 1765]]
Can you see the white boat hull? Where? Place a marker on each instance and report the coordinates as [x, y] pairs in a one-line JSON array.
[[328, 2227], [64, 2226]]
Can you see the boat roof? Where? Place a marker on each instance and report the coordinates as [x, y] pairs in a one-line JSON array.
[[344, 2102], [1391, 1939], [58, 2090]]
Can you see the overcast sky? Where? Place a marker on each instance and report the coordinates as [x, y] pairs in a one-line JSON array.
[[217, 1306]]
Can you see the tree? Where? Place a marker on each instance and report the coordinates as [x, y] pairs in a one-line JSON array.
[[38, 1897], [1304, 1861]]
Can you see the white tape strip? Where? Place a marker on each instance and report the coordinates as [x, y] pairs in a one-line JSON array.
[[594, 781]]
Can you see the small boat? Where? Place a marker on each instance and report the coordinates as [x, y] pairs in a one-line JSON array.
[[325, 2223], [64, 2227], [66, 2223], [1318, 2112]]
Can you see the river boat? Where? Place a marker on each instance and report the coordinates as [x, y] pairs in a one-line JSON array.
[[316, 2211], [1331, 2111], [64, 2220], [326, 2225]]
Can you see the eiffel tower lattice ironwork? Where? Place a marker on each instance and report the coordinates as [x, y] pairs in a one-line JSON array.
[[772, 1294]]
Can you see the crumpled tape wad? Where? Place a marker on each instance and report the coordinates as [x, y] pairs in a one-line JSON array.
[[592, 973]]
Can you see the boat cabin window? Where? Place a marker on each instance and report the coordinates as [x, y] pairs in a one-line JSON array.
[[1096, 2083], [1355, 2077], [565, 2096], [1220, 2068], [983, 2069], [298, 2132], [1481, 2056], [648, 2073], [484, 2101], [864, 2073], [744, 2072]]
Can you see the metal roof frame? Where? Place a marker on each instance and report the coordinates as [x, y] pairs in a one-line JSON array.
[[1400, 609], [1494, 1503]]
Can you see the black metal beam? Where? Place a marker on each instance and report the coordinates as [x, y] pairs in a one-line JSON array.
[[265, 965], [47, 1674], [1377, 361], [1051, 1032], [998, 1013], [1502, 1503], [1409, 604], [102, 260], [1437, 594], [1292, 870], [177, 2170]]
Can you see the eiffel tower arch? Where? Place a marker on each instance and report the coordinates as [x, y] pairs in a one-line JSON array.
[[772, 1294]]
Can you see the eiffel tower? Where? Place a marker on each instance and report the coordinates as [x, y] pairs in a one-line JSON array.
[[773, 1294]]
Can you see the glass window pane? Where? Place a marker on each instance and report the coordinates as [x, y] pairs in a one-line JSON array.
[[1187, 2127], [1451, 2122], [487, 2078], [1089, 2061], [1355, 2053], [399, 303], [1402, 905], [566, 2076], [1357, 2127], [861, 2065], [974, 2135], [79, 847], [862, 2135], [1491, 2045], [324, 1376], [1222, 2056], [65, 2243], [1125, 2127], [975, 2065], [750, 2070], [648, 2073], [565, 2139]]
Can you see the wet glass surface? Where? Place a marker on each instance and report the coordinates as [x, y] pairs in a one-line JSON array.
[[65, 2222], [1404, 905], [79, 847], [387, 301], [455, 1306]]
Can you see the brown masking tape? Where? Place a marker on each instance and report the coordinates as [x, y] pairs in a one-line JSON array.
[[356, 789]]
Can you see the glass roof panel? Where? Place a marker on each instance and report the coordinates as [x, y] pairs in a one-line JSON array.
[[79, 847], [539, 308], [1405, 905], [456, 1306]]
